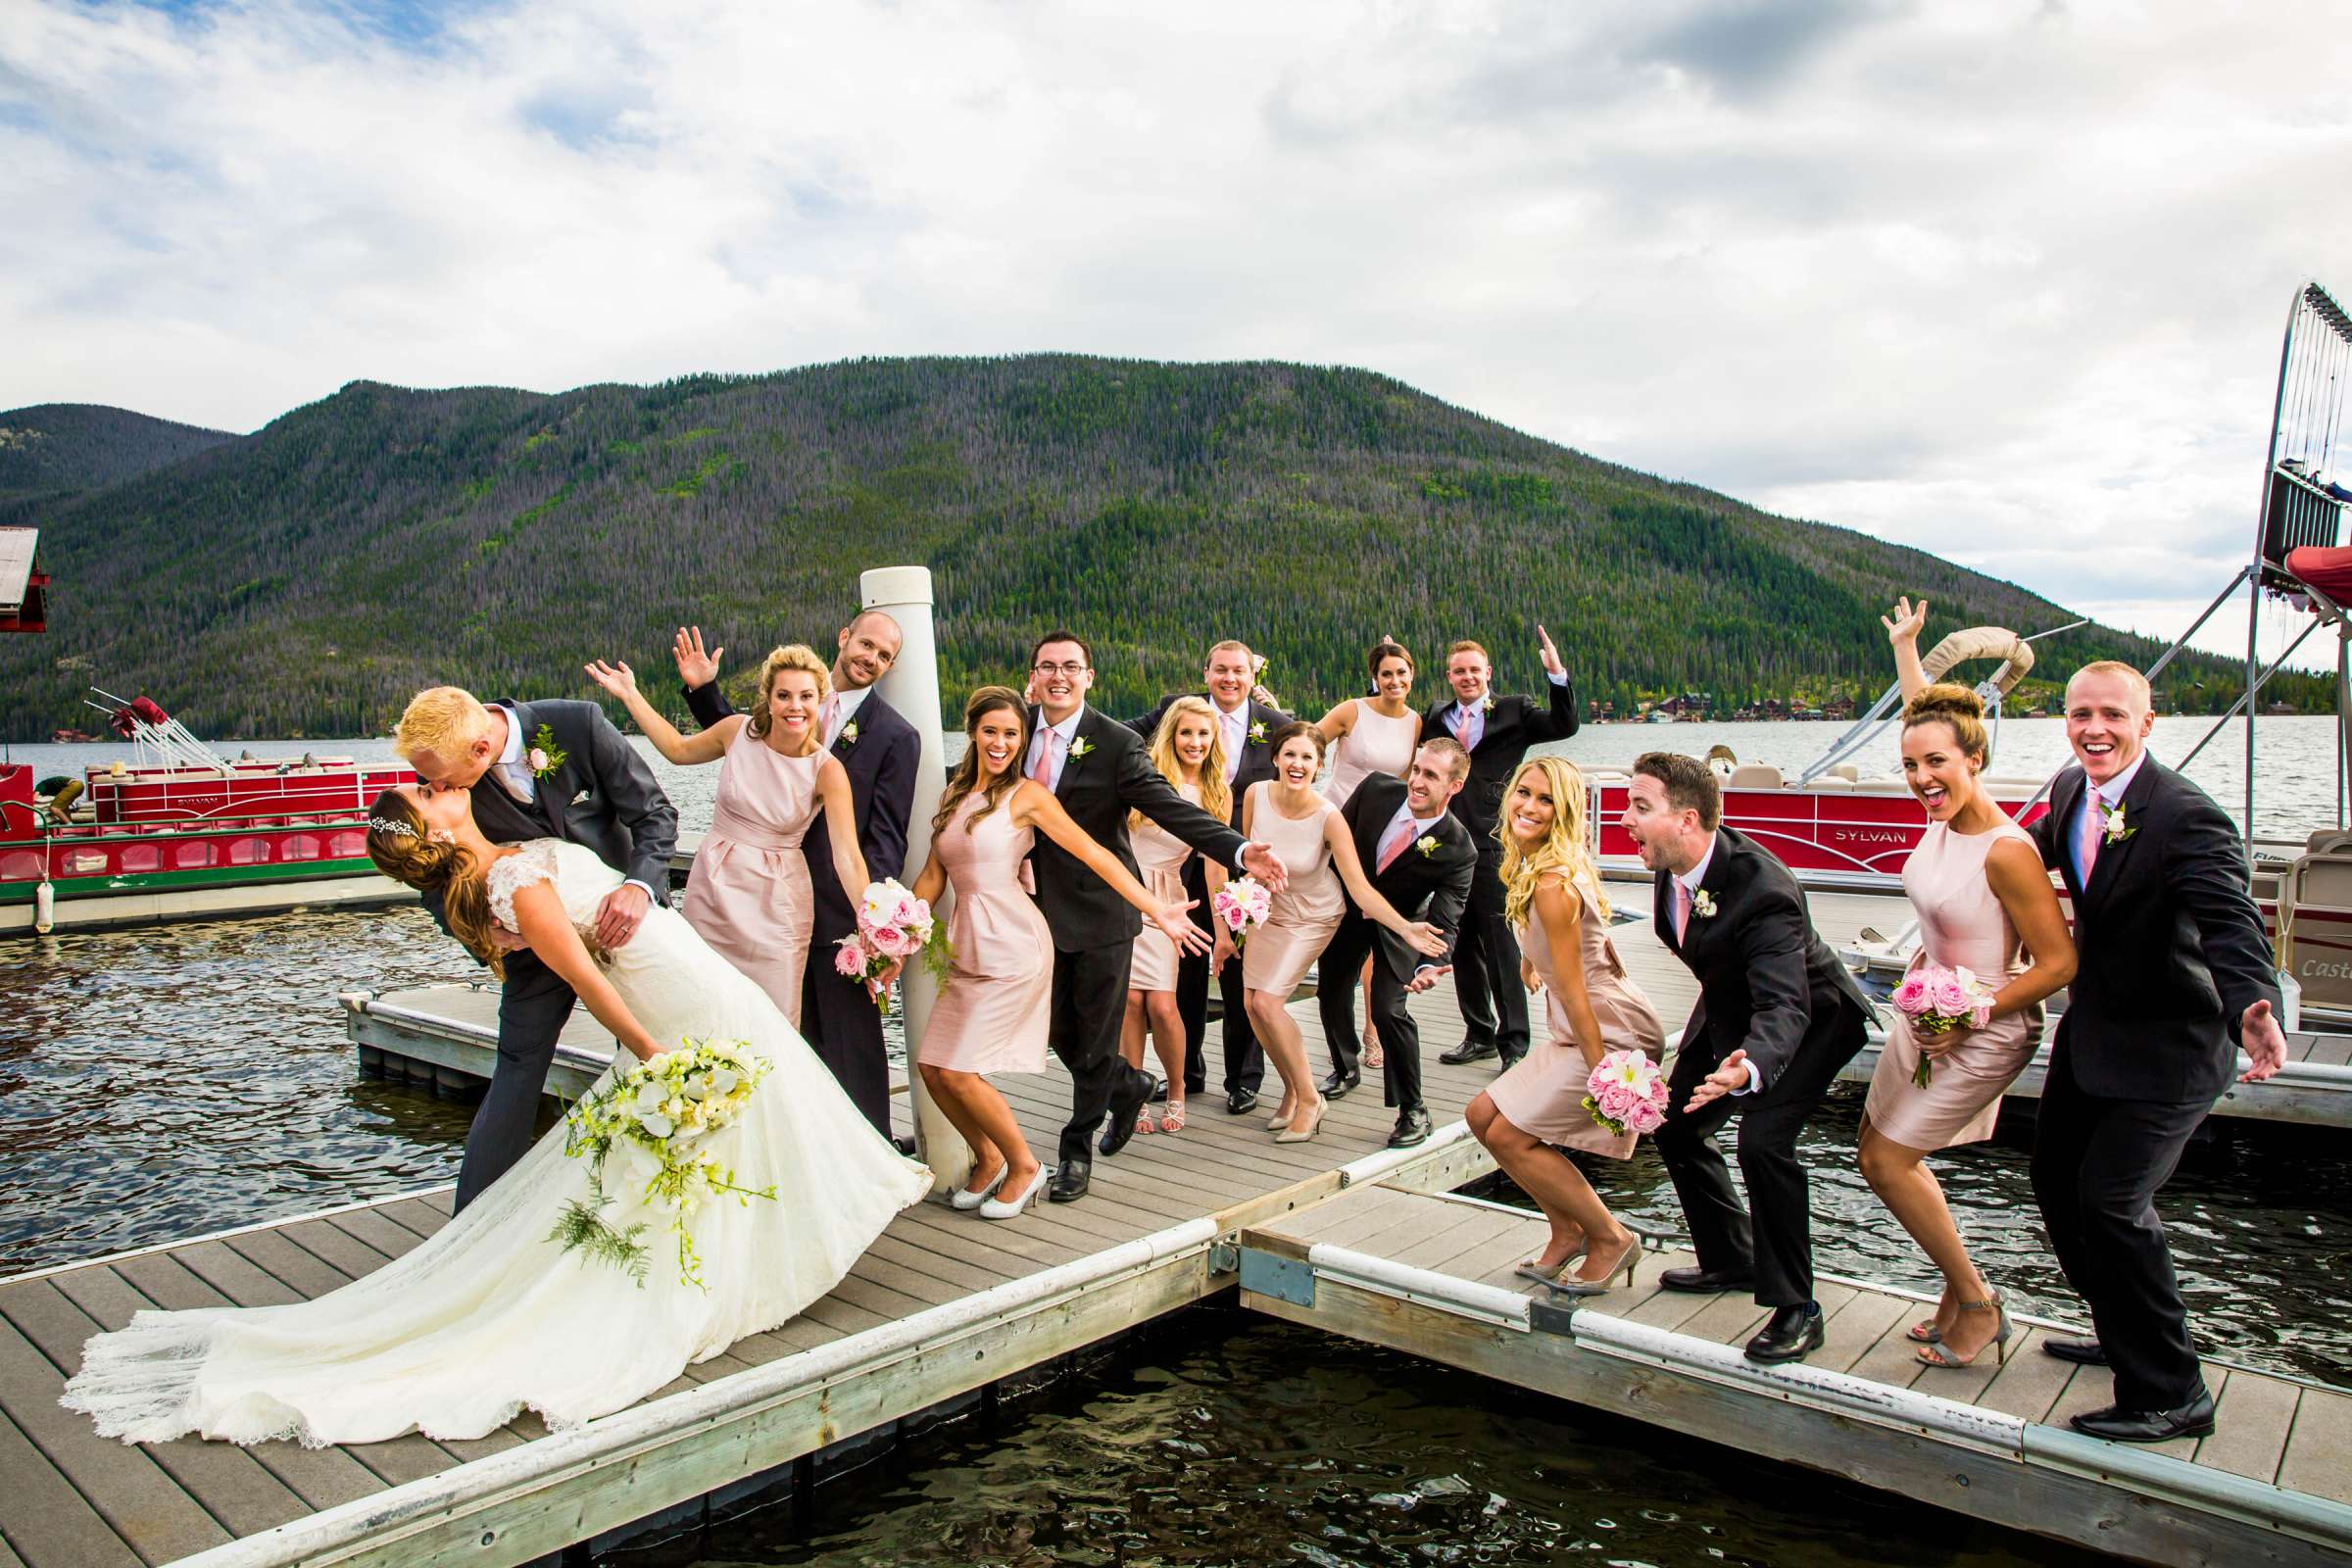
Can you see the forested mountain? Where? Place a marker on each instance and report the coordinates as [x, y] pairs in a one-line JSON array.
[[50, 452], [306, 578]]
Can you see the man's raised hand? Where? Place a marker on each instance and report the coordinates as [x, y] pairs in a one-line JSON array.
[[694, 667]]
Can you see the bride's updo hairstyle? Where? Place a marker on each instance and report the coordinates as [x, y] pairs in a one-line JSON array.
[[1950, 702], [402, 847], [967, 777], [798, 656]]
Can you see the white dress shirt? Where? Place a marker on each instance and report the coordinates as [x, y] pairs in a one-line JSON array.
[[513, 772], [1235, 723], [1067, 729], [1423, 826], [2110, 793], [847, 700]]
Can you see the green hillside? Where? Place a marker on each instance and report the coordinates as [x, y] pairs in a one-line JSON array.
[[306, 578], [56, 450]]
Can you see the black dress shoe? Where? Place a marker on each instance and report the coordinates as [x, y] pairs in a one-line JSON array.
[[1510, 1059], [1412, 1127], [1707, 1281], [1241, 1103], [2083, 1352], [1468, 1050], [2119, 1425], [1340, 1082], [1124, 1107], [904, 1145], [1159, 1092], [1788, 1334], [1069, 1182]]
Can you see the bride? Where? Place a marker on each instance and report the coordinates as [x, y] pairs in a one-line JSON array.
[[491, 1315]]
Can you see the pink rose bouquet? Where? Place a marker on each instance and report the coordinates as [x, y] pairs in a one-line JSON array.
[[1241, 905], [1935, 1000], [893, 925], [1626, 1092]]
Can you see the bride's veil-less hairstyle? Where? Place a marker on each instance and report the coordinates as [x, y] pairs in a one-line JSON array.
[[967, 777], [405, 850], [1561, 849], [797, 655], [1216, 796], [1948, 702]]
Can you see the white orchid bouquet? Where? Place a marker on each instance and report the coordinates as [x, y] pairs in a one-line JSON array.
[[668, 1108]]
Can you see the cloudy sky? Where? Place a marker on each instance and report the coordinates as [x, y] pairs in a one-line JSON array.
[[2004, 280]]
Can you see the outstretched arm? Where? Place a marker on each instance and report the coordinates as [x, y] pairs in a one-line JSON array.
[[1560, 719], [540, 918], [1034, 806], [697, 674], [1902, 634], [706, 747], [1424, 938], [2207, 875]]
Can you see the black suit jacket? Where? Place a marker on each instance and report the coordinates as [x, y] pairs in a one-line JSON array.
[[1257, 756], [1429, 887], [2170, 947], [1766, 980], [881, 759], [1513, 726], [1113, 776], [602, 795]]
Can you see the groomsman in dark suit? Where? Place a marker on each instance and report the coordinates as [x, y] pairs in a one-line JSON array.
[[1099, 770], [880, 751], [2174, 974], [1496, 732], [1776, 1017], [1244, 725], [551, 769], [1420, 858]]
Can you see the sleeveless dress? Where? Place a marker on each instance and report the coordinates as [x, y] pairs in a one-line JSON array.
[[1307, 912], [489, 1316], [749, 896], [1377, 744], [1963, 922], [994, 1012], [1160, 857], [1542, 1094]]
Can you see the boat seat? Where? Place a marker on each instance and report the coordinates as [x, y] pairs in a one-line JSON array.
[[2328, 840], [1754, 776], [1832, 784], [1881, 786], [1847, 771]]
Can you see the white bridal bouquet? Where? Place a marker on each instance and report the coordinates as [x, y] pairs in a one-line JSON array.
[[669, 1107]]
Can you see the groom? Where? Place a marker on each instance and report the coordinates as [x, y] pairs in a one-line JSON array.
[[2174, 972], [1099, 770], [880, 751], [540, 771], [1776, 1017]]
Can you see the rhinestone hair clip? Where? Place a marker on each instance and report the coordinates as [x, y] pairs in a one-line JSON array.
[[391, 827]]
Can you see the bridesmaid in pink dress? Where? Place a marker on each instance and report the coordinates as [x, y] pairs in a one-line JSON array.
[[992, 1014], [1318, 852], [749, 896], [1368, 735], [1189, 749], [1591, 1007], [1985, 901]]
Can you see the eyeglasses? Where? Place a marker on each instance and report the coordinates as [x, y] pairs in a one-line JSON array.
[[1071, 669]]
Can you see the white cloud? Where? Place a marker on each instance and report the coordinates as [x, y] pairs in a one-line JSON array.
[[2003, 281]]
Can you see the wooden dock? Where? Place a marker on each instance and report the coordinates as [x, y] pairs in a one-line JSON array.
[[1430, 1274]]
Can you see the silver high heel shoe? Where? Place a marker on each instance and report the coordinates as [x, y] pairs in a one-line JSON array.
[[966, 1199], [1568, 1285]]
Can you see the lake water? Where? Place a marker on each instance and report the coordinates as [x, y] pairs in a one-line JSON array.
[[164, 1082]]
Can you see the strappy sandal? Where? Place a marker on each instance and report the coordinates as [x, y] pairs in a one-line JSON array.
[[1171, 1116], [1372, 1057], [1935, 1355]]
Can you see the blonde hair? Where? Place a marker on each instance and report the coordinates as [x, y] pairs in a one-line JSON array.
[[967, 777], [404, 849], [1466, 645], [1950, 702], [445, 721], [798, 656], [1563, 849], [2116, 667], [1232, 645], [1217, 794]]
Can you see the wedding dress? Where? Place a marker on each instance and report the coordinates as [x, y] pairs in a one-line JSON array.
[[490, 1316]]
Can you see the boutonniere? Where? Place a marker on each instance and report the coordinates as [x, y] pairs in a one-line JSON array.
[[1080, 747], [1428, 846], [1258, 731], [1702, 904], [2116, 829], [1487, 707], [847, 735], [545, 756]]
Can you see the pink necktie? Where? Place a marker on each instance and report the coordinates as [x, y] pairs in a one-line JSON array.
[[1468, 724], [2088, 833], [1682, 907], [1394, 842], [1048, 743], [832, 711]]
